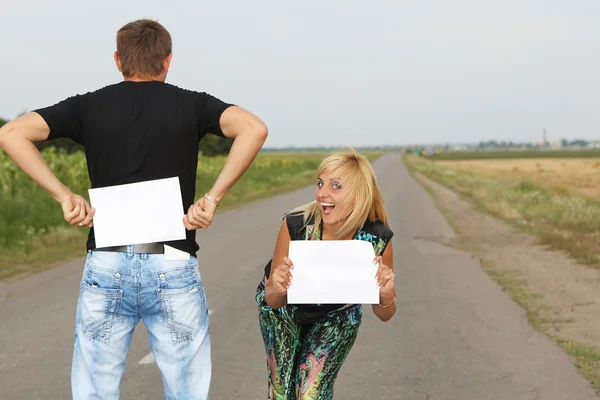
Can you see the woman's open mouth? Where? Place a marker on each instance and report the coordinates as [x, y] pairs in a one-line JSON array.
[[327, 208]]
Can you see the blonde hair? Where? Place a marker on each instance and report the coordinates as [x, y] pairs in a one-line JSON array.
[[362, 190]]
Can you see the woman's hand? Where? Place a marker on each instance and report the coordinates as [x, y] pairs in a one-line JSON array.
[[282, 277], [385, 280], [385, 276]]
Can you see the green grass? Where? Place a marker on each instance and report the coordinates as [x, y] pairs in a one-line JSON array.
[[33, 233], [489, 155]]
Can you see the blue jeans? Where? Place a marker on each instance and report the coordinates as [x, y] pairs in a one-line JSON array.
[[119, 289]]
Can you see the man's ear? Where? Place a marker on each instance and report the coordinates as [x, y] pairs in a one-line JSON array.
[[118, 61], [167, 62]]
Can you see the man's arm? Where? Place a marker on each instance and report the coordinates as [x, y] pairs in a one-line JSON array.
[[249, 134], [17, 139]]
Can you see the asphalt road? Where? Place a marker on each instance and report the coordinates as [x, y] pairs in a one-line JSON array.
[[455, 335]]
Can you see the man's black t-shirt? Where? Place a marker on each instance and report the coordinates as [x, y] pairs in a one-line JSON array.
[[139, 131]]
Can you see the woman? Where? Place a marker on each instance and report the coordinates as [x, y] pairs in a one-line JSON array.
[[306, 344]]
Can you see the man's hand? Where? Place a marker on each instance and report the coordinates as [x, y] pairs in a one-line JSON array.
[[200, 214], [77, 211]]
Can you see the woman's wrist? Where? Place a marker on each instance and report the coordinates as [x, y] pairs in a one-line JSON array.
[[386, 301], [273, 299]]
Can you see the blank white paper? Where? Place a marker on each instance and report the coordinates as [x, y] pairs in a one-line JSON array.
[[173, 254], [142, 212], [332, 272]]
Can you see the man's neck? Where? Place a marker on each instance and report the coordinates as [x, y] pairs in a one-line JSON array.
[[137, 78]]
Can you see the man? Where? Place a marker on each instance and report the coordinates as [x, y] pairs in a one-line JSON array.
[[137, 130]]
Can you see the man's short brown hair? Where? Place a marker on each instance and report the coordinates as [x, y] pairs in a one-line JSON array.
[[142, 46]]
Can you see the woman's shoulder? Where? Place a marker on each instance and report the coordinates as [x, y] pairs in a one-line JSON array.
[[295, 223], [293, 218], [378, 233], [378, 228]]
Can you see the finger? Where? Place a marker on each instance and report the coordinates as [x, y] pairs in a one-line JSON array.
[[68, 208], [79, 215], [71, 215], [380, 272], [388, 277], [388, 287], [82, 211], [283, 268], [189, 220], [281, 281], [288, 262], [187, 224], [286, 276], [279, 278], [207, 213], [286, 280], [379, 262], [201, 217], [190, 215], [383, 275], [194, 219], [87, 221], [202, 220], [73, 209], [282, 288], [279, 288]]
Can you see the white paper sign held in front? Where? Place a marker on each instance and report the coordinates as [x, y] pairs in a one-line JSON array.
[[333, 272]]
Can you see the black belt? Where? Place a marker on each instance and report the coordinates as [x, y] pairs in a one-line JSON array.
[[144, 248]]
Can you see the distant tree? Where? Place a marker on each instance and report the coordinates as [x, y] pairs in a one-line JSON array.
[[66, 144], [579, 142], [212, 145], [3, 121]]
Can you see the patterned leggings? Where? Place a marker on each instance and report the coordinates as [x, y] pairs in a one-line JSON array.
[[304, 352]]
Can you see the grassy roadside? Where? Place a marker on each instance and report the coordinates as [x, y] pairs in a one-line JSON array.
[[512, 202], [31, 243], [563, 221]]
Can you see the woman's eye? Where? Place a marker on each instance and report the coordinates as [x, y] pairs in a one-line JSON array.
[[336, 186]]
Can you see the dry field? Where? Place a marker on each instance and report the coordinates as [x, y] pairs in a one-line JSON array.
[[576, 176]]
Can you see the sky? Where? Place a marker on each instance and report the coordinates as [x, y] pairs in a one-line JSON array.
[[356, 73]]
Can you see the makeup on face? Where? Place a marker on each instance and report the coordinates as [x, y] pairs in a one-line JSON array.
[[329, 193]]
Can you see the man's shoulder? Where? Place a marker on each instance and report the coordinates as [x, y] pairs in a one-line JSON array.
[[99, 92], [111, 87], [183, 90]]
